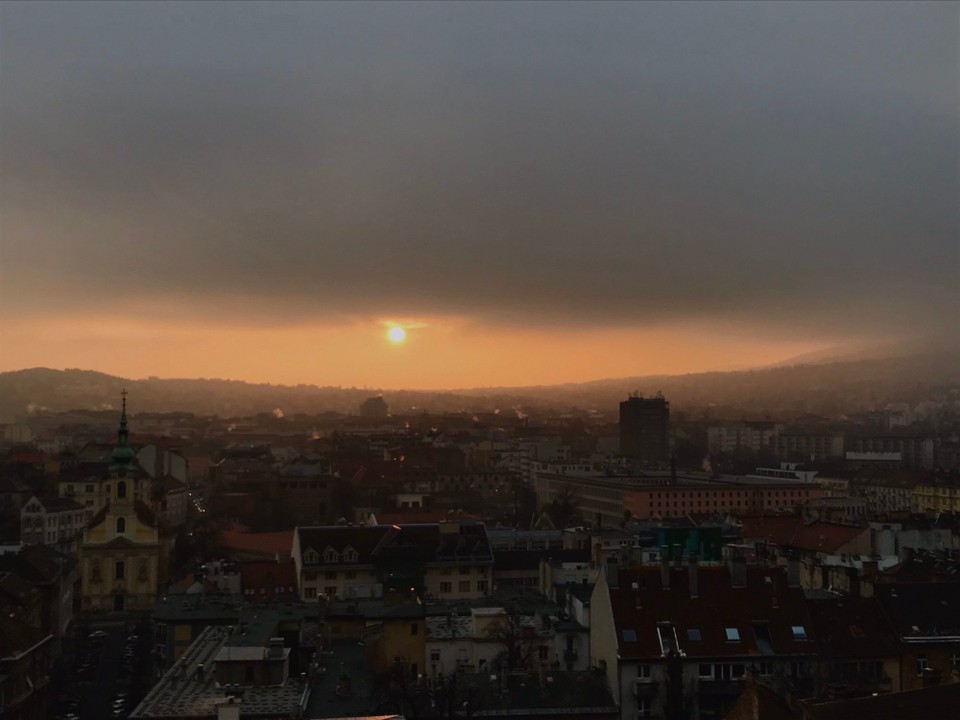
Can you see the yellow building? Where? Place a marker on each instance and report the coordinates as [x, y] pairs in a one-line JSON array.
[[121, 549], [935, 497]]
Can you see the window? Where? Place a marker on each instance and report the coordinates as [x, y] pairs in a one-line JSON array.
[[955, 662], [121, 525], [435, 656], [643, 671], [481, 585], [118, 570], [464, 570], [799, 632], [693, 634], [921, 664], [351, 574], [122, 489], [446, 587], [765, 668], [414, 629], [142, 573], [706, 671], [629, 635], [330, 575], [464, 586], [330, 590], [95, 572], [89, 488], [733, 634], [310, 593], [644, 707]]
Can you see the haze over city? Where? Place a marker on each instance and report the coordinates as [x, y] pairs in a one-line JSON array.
[[535, 193]]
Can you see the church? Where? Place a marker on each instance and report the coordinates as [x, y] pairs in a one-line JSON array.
[[122, 547]]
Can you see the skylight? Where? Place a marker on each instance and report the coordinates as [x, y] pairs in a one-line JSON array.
[[799, 632], [693, 634], [629, 635], [733, 635]]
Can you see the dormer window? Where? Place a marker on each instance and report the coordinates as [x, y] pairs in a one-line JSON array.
[[330, 555], [310, 556], [350, 555]]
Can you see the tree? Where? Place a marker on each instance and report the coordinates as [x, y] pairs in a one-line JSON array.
[[520, 643]]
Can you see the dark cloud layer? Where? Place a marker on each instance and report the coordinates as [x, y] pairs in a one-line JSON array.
[[779, 166]]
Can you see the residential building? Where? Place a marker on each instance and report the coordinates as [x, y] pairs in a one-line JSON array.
[[678, 640], [437, 560], [25, 662], [53, 521]]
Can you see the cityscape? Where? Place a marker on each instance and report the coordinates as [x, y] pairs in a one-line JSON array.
[[435, 361]]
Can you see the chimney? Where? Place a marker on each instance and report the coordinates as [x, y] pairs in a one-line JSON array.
[[694, 593], [738, 571], [275, 647], [665, 567], [793, 572], [229, 709], [613, 573]]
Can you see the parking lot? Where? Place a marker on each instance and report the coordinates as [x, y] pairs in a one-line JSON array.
[[106, 671]]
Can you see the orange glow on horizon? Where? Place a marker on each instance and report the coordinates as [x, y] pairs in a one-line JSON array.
[[446, 353]]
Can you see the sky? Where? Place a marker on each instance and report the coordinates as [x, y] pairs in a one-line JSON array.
[[536, 192]]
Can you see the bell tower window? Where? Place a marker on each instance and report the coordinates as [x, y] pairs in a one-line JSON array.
[[121, 525], [122, 489]]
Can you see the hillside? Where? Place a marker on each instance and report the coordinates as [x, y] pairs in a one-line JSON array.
[[829, 390]]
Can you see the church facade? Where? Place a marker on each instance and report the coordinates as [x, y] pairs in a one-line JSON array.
[[122, 549]]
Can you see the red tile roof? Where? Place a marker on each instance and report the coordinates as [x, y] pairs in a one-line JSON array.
[[257, 544], [268, 580], [765, 598], [793, 531]]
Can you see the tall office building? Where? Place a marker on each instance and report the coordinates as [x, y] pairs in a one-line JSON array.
[[645, 428]]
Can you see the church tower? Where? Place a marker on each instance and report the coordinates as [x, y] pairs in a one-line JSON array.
[[121, 550]]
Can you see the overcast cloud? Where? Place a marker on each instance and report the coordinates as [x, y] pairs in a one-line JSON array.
[[793, 168]]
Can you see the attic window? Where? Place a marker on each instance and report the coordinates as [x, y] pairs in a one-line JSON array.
[[733, 634], [310, 556], [629, 635], [693, 635], [799, 632], [330, 555], [349, 554]]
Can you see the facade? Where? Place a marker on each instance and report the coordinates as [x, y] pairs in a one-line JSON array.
[[603, 499], [645, 428], [731, 438], [25, 662], [941, 496], [916, 451], [56, 522], [809, 445], [447, 560], [120, 557]]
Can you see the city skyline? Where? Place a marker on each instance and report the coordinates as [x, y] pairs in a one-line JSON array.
[[534, 193]]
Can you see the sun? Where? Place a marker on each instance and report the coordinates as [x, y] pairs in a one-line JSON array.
[[397, 334]]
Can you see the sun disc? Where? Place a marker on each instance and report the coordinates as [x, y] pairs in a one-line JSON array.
[[397, 334]]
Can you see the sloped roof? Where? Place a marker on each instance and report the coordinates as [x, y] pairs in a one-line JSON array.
[[922, 610], [792, 531], [264, 544], [17, 637], [853, 627], [58, 504], [928, 702], [400, 543], [718, 606], [255, 575]]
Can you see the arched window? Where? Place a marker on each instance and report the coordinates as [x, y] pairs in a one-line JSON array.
[[122, 489], [121, 525]]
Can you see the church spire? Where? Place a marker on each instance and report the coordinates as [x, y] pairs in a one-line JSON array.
[[122, 454]]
